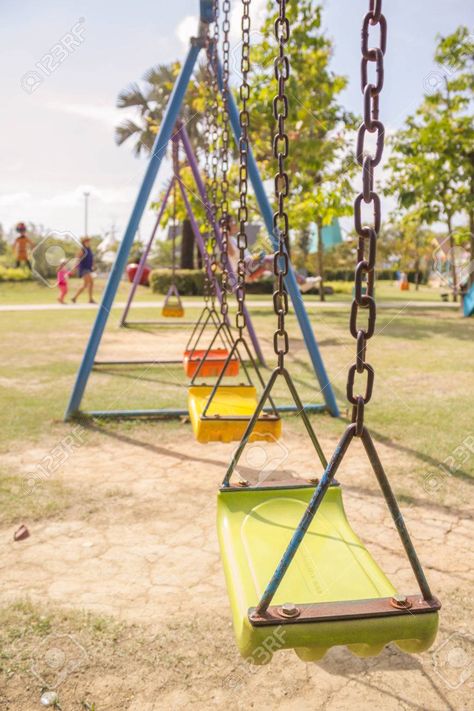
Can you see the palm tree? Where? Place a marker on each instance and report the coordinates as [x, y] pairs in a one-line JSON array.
[[151, 100]]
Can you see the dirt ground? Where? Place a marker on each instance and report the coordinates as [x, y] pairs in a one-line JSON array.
[[138, 543]]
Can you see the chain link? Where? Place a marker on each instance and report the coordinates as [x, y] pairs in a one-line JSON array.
[[224, 217], [207, 283], [175, 155], [244, 121], [280, 153], [367, 243], [212, 154]]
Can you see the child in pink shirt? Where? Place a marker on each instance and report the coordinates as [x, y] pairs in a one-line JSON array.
[[62, 282]]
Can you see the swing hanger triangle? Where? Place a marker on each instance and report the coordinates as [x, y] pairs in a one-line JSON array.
[[222, 412], [346, 609], [211, 360], [266, 395], [231, 361], [325, 591]]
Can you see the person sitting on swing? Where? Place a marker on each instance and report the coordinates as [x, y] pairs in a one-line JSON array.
[[255, 265]]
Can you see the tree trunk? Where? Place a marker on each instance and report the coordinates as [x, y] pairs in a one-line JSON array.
[[319, 224], [417, 273], [198, 259], [453, 259], [187, 246]]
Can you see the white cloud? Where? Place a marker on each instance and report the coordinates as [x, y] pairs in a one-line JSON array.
[[257, 15], [14, 199], [75, 197], [108, 115], [187, 28]]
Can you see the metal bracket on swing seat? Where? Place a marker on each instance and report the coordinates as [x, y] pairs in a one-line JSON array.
[[345, 610]]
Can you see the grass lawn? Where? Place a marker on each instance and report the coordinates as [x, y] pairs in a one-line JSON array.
[[423, 361], [35, 293]]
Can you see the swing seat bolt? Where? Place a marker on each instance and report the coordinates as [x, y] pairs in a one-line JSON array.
[[401, 602], [288, 609]]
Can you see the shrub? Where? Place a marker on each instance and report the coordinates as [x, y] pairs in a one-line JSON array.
[[190, 282], [15, 274]]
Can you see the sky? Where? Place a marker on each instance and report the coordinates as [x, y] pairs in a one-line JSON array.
[[65, 62]]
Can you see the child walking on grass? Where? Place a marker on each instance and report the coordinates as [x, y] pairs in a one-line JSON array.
[[63, 276]]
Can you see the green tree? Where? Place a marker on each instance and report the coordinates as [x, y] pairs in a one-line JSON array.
[[320, 163], [406, 238], [432, 164]]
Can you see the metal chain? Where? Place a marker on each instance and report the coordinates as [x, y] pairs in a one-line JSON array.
[[367, 243], [244, 120], [207, 282], [224, 217], [175, 154], [280, 153]]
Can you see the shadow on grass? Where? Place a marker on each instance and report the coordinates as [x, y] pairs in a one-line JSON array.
[[424, 325], [182, 456], [148, 377], [425, 458]]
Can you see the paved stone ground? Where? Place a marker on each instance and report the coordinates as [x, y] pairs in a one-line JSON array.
[[146, 549]]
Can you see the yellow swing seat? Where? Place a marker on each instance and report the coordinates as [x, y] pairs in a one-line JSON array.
[[330, 568], [228, 415], [172, 311]]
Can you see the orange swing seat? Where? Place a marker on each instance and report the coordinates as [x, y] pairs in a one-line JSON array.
[[213, 363]]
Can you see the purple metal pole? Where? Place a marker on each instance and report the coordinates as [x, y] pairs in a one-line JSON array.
[[202, 192], [144, 257], [198, 238]]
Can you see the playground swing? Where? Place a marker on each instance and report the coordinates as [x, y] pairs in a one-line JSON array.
[[326, 589], [214, 361], [172, 306], [221, 412], [209, 361]]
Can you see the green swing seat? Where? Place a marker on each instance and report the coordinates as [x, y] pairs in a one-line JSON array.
[[333, 576]]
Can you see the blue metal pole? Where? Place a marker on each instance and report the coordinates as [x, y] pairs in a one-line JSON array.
[[290, 279], [157, 155], [172, 412]]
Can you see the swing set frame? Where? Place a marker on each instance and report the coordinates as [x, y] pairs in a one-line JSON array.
[[167, 132]]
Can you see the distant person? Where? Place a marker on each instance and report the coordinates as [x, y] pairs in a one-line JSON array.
[[255, 265], [85, 267], [62, 280], [21, 246]]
